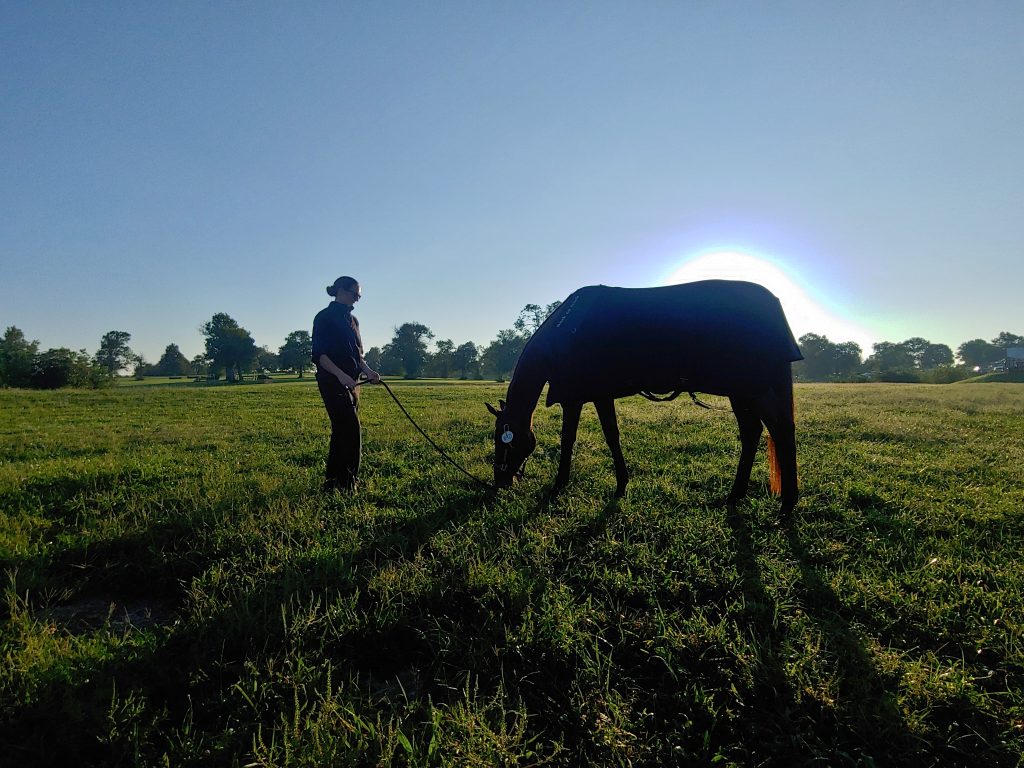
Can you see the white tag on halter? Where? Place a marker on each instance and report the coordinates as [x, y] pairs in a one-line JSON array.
[[506, 436]]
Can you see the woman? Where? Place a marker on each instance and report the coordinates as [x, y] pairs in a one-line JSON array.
[[338, 354]]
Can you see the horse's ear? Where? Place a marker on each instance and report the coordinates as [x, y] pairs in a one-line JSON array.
[[494, 411], [501, 404]]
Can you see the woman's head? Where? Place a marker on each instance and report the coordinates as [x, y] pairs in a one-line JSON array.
[[345, 289]]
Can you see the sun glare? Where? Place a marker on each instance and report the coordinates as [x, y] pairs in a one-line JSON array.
[[804, 313]]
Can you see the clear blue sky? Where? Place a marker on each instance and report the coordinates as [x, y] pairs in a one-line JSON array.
[[161, 162]]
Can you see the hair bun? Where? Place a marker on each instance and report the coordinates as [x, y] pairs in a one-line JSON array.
[[332, 291]]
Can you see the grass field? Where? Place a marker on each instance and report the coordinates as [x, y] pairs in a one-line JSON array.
[[177, 592]]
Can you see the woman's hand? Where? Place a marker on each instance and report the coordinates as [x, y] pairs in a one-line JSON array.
[[346, 381], [372, 375]]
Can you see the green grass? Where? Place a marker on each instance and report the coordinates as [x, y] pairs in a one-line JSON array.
[[1001, 377], [177, 592]]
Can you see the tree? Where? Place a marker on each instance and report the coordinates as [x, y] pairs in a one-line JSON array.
[[62, 367], [1006, 340], [500, 356], [824, 360], [847, 359], [499, 359], [296, 353], [410, 345], [935, 356], [16, 355], [817, 362], [889, 357], [388, 362], [171, 363], [140, 367], [229, 347], [979, 353], [441, 360], [267, 360], [532, 316], [465, 360], [198, 364], [915, 347], [114, 354]]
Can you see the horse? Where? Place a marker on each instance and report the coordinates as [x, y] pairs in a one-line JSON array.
[[721, 337]]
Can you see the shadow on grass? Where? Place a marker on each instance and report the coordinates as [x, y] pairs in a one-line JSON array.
[[70, 718]]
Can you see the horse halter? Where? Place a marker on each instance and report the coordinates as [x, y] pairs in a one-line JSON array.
[[506, 438]]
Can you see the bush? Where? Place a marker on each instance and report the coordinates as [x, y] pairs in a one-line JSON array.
[[57, 368]]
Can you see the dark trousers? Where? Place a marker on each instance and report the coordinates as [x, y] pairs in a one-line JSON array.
[[346, 436]]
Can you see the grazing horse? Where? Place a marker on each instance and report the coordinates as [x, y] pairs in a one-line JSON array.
[[719, 337]]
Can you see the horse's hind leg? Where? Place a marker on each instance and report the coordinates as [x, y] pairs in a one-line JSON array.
[[610, 425], [570, 424], [750, 436], [783, 432], [777, 415]]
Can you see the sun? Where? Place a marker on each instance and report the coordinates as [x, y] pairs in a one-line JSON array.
[[805, 314]]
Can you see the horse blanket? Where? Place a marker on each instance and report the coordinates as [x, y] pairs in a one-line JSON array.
[[713, 336]]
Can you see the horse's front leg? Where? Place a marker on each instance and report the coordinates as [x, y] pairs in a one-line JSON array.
[[610, 425], [570, 425]]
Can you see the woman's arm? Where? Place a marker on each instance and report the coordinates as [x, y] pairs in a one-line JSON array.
[[371, 374], [328, 365]]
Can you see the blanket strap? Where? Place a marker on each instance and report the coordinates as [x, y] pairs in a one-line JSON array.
[[668, 398]]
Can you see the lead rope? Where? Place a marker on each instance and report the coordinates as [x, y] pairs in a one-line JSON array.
[[438, 448], [668, 398]]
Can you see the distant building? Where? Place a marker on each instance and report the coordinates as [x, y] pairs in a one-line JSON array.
[[1015, 359]]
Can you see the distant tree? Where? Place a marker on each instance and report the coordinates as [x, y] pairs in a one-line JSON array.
[[817, 362], [915, 347], [114, 354], [500, 356], [267, 360], [824, 360], [410, 345], [847, 359], [465, 360], [296, 354], [199, 365], [140, 366], [389, 362], [372, 357], [229, 347], [935, 356], [887, 356], [1006, 340], [440, 364], [532, 316], [979, 353], [171, 363], [62, 367], [16, 355]]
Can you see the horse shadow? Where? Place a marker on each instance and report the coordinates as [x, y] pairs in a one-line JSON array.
[[864, 714]]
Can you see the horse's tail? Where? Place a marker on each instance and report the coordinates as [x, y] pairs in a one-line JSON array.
[[774, 473]]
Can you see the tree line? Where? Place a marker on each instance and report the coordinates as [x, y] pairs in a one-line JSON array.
[[915, 359], [230, 351]]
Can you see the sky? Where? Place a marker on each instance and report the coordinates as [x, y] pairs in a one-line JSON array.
[[163, 162]]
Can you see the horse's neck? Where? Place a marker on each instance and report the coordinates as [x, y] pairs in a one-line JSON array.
[[525, 387]]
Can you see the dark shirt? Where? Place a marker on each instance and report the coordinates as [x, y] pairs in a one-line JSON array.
[[336, 334]]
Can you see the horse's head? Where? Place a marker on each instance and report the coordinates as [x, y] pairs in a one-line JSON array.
[[514, 441]]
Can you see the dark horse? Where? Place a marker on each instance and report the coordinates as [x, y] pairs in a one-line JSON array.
[[717, 337]]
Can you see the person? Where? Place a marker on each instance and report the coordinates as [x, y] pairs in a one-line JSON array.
[[338, 355]]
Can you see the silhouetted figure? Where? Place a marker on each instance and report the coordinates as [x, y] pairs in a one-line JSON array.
[[338, 355]]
